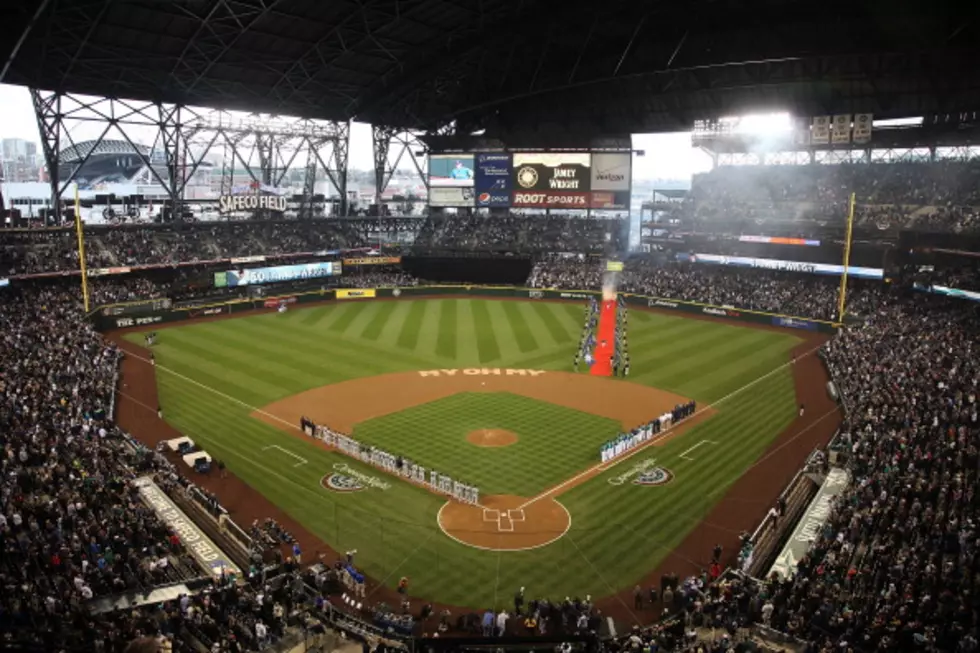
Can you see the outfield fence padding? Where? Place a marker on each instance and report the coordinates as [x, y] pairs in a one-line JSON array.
[[107, 318]]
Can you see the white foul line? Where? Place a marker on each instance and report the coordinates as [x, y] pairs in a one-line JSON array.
[[684, 455], [302, 460], [602, 467]]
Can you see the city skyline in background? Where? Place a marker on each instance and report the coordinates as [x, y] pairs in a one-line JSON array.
[[667, 156]]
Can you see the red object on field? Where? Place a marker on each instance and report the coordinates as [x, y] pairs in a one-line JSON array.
[[606, 336]]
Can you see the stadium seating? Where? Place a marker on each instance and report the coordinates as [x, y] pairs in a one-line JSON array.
[[927, 196], [754, 289], [895, 568], [71, 529]]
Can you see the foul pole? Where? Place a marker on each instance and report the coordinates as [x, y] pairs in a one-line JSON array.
[[81, 249], [842, 300]]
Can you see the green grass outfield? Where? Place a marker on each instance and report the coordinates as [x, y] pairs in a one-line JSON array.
[[618, 532]]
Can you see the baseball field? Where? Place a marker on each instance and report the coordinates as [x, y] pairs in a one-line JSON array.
[[482, 390]]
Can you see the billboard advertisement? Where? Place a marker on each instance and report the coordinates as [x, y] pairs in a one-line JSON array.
[[493, 179], [454, 170], [611, 171], [450, 196], [784, 266], [611, 201], [552, 172], [235, 278], [356, 293], [551, 200]]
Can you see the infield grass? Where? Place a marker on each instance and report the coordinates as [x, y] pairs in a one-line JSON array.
[[211, 375]]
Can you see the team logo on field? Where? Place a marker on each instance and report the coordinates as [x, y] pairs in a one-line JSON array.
[[655, 476], [342, 483]]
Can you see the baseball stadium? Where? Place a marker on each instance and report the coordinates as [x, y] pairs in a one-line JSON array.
[[584, 396]]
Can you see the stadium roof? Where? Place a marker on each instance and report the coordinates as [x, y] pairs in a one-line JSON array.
[[594, 66], [78, 152]]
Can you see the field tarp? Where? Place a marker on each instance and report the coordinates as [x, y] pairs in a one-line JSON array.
[[107, 318]]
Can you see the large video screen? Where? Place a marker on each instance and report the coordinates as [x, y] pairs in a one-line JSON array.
[[552, 180], [235, 278], [454, 170]]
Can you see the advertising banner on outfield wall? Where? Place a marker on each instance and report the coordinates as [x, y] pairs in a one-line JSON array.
[[794, 323], [493, 179], [810, 524], [552, 172], [355, 293], [611, 171], [450, 197], [374, 260]]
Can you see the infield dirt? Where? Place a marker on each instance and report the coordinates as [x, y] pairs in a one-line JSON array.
[[342, 405], [491, 438]]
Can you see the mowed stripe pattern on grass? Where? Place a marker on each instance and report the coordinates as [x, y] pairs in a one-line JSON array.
[[618, 532], [552, 440]]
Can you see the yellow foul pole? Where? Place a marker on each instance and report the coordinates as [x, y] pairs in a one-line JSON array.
[[842, 300], [81, 249]]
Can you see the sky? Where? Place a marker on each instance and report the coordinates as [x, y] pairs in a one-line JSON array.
[[667, 156]]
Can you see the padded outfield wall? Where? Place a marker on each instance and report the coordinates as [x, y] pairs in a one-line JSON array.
[[144, 314]]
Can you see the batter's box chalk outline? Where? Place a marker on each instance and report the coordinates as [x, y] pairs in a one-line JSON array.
[[448, 533], [515, 514], [494, 512]]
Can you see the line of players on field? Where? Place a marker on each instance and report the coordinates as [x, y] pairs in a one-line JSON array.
[[388, 462], [627, 441]]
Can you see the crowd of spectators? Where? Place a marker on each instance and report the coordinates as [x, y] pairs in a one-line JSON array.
[[897, 565], [518, 233], [72, 527], [933, 196], [772, 291], [56, 250]]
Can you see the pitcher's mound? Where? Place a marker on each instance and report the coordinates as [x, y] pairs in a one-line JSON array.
[[491, 438], [505, 523]]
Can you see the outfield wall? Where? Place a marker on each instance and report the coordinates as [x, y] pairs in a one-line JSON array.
[[107, 318]]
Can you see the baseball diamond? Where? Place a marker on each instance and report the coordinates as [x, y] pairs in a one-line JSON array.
[[489, 327], [428, 379]]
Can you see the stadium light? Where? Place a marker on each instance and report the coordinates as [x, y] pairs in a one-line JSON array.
[[761, 123]]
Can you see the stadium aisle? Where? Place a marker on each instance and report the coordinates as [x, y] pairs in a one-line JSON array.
[[605, 336]]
